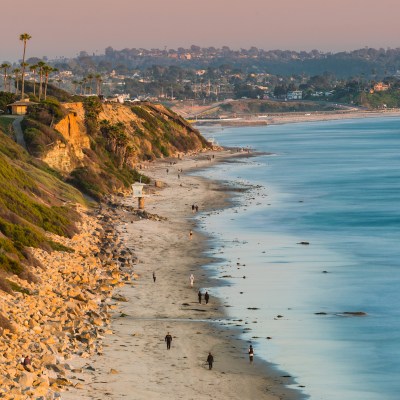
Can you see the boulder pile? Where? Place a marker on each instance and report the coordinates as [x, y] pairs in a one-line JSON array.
[[65, 313]]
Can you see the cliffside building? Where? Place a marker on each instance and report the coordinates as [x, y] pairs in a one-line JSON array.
[[19, 107]]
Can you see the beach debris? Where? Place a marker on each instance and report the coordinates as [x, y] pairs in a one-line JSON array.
[[269, 337], [344, 314], [355, 313], [113, 371]]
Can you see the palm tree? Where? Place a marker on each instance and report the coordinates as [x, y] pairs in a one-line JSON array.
[[24, 37], [90, 79], [16, 72], [83, 86], [47, 70], [5, 67], [98, 84], [41, 65], [33, 69], [75, 84], [9, 78]]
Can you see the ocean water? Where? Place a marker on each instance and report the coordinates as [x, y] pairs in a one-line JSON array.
[[335, 185]]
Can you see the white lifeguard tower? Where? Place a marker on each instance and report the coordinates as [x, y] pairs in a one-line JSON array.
[[137, 189]]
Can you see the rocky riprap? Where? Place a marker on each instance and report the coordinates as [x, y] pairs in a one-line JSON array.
[[65, 314]]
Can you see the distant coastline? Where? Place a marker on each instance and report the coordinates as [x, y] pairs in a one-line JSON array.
[[289, 118]]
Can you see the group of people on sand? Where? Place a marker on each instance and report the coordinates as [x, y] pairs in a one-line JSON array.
[[168, 336], [210, 357], [206, 296], [199, 294]]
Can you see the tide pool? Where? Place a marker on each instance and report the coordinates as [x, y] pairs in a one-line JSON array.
[[335, 185]]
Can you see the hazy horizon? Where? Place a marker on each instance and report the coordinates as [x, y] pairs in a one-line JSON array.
[[287, 25]]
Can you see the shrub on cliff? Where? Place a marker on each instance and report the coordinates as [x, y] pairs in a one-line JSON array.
[[47, 112], [92, 107]]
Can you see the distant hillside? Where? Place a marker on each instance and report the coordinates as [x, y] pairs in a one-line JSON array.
[[365, 61], [248, 107]]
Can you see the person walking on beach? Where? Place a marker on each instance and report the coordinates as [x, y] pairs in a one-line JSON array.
[[206, 297], [154, 277], [191, 279], [251, 353], [210, 360], [168, 339], [199, 295]]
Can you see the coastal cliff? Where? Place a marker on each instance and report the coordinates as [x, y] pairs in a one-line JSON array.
[[59, 259], [98, 147]]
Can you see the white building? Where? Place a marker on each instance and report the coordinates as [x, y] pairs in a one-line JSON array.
[[295, 95]]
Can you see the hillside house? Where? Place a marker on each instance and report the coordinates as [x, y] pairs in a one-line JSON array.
[[295, 95], [381, 87], [19, 107]]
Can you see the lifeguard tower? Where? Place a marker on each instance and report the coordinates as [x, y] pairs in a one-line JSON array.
[[137, 189]]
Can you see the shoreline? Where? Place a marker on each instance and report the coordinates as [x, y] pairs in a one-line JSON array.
[[290, 118], [135, 359]]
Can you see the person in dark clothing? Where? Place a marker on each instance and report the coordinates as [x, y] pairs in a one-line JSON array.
[[168, 339], [251, 353], [210, 360], [154, 277], [206, 297], [197, 208], [199, 295]]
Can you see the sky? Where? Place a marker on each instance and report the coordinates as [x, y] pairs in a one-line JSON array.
[[66, 28]]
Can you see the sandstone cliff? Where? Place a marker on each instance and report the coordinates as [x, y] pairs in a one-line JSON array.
[[144, 132], [99, 144]]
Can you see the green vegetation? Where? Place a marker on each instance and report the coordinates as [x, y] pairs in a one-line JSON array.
[[17, 288], [388, 99], [6, 124], [92, 106], [37, 126], [5, 99], [31, 198]]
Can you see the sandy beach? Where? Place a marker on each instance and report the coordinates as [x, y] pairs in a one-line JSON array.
[[135, 363]]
